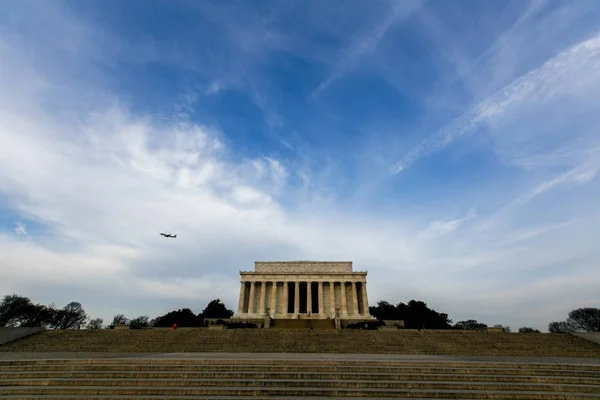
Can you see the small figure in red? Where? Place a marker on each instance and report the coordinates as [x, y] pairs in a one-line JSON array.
[[174, 326]]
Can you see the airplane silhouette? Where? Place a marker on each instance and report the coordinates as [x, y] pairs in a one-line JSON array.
[[168, 235]]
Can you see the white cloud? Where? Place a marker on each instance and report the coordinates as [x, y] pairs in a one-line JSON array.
[[20, 229], [567, 85], [367, 41], [442, 227], [530, 233], [214, 88]]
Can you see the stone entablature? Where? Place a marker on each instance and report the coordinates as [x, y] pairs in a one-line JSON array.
[[350, 277], [249, 276], [315, 267]]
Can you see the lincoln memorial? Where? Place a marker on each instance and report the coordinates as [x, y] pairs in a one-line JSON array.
[[303, 290]]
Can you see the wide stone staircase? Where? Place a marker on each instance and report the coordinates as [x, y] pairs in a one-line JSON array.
[[306, 324], [155, 378], [304, 341]]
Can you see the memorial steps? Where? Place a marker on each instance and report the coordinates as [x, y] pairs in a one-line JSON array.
[[315, 324], [303, 341], [200, 379]]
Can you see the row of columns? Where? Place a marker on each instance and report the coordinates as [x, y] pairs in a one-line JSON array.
[[320, 298]]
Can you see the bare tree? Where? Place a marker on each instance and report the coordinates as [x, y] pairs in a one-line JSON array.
[[95, 323], [140, 322], [118, 319], [72, 316], [585, 319], [13, 308], [18, 310], [560, 327]]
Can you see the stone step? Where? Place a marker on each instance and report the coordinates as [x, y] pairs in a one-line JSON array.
[[169, 397], [321, 350], [81, 383], [407, 348], [185, 376], [373, 376], [396, 340], [301, 341], [306, 391], [250, 364], [304, 342], [266, 365], [300, 360], [441, 368]]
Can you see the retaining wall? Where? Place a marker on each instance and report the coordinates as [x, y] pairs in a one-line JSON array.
[[10, 334], [591, 336]]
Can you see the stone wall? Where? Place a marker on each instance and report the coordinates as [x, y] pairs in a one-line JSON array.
[[591, 336], [10, 334], [317, 267]]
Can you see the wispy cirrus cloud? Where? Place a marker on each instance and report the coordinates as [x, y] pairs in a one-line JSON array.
[[572, 74], [366, 42]]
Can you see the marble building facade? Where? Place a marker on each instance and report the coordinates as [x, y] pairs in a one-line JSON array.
[[303, 289]]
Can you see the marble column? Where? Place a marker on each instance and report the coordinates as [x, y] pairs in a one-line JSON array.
[[321, 309], [297, 298], [263, 298], [354, 299], [273, 299], [365, 299], [332, 298], [308, 297], [285, 299], [344, 302], [242, 298], [251, 299]]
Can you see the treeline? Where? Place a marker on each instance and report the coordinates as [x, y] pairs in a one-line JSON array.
[[416, 315], [17, 310], [580, 320], [20, 311]]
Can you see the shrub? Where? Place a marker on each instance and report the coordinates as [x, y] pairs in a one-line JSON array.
[[526, 329]]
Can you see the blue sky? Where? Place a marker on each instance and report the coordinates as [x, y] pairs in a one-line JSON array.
[[449, 148]]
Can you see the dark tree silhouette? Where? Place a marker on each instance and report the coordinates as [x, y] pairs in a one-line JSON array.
[[470, 324], [184, 318], [415, 315], [39, 316], [526, 329], [95, 323], [384, 311], [216, 309], [72, 316], [140, 322], [560, 327], [18, 310], [585, 319], [118, 319], [13, 309]]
